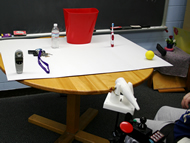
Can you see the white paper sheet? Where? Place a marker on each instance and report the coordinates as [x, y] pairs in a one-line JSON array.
[[72, 59]]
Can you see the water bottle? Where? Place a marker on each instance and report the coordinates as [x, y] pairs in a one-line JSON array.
[[55, 36]]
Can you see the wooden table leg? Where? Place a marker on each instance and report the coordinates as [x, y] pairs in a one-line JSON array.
[[150, 81], [73, 113], [47, 124], [74, 123]]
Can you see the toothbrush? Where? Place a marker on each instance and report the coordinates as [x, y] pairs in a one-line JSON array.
[[112, 36]]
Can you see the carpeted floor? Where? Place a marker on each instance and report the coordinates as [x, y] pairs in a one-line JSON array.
[[15, 110]]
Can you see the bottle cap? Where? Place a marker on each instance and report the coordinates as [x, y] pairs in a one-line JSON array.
[[55, 24]]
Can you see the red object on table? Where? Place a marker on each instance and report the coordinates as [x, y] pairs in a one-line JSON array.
[[80, 24]]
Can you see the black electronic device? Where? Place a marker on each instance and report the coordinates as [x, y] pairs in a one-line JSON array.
[[34, 52], [139, 134], [140, 131], [161, 50], [19, 61], [143, 134]]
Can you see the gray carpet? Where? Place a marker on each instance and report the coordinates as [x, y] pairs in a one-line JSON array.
[[15, 110]]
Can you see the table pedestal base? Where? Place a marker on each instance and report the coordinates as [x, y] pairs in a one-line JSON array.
[[67, 137]]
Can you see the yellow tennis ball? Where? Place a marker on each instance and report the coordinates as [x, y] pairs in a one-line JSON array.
[[149, 55]]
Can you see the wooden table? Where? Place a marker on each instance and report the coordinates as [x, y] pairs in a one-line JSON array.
[[74, 87]]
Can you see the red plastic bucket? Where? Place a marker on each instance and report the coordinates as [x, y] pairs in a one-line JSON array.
[[79, 24]]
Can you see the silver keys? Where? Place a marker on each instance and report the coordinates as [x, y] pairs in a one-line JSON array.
[[45, 54]]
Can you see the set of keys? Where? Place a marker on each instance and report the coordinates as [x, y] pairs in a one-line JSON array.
[[36, 52], [39, 53]]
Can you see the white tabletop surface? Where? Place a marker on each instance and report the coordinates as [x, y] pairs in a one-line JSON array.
[[73, 60]]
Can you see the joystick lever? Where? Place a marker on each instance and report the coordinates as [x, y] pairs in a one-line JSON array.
[[142, 124]]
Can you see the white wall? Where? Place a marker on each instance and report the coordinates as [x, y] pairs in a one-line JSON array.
[[148, 40], [175, 15]]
